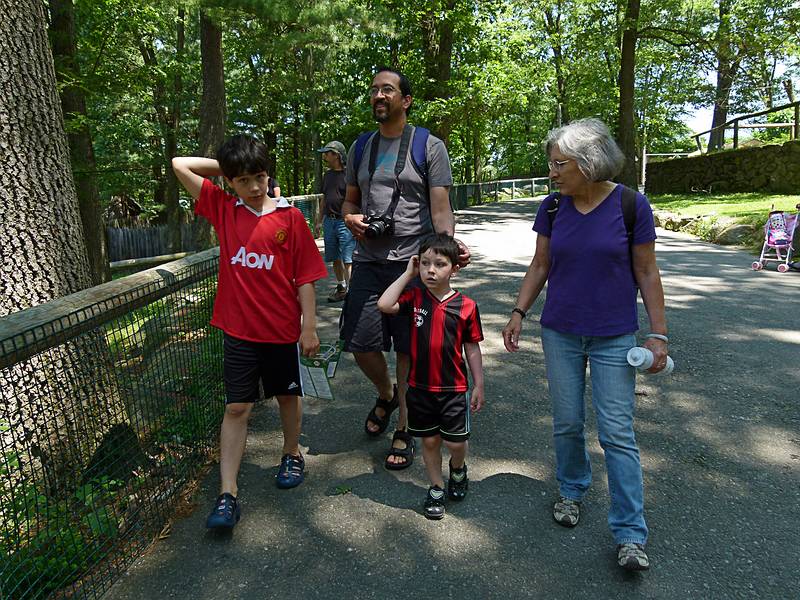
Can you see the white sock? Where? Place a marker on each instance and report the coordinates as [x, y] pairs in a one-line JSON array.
[[343, 284]]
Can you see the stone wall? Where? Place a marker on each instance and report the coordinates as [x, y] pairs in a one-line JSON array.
[[772, 168]]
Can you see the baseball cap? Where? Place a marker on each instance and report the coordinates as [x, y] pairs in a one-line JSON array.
[[335, 146]]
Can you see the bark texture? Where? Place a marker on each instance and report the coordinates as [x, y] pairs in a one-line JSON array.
[[57, 404]]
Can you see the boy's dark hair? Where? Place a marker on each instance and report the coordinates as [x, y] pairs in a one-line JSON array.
[[441, 244], [405, 84], [241, 155]]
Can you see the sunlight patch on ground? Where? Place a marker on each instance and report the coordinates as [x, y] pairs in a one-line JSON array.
[[779, 335], [772, 445]]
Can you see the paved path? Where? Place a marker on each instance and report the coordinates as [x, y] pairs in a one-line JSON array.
[[720, 443]]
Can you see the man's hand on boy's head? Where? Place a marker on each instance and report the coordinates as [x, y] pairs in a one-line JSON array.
[[463, 254], [309, 343]]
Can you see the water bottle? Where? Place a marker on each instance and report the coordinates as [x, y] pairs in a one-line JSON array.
[[642, 359]]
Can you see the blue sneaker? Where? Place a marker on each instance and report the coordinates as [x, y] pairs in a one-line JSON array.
[[291, 471], [226, 513]]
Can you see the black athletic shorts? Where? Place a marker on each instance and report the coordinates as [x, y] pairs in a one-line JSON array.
[[438, 413], [363, 327], [276, 366]]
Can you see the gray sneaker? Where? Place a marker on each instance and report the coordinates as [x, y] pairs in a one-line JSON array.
[[632, 557], [567, 512]]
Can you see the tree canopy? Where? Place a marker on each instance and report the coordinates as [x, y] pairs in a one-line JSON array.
[[491, 77]]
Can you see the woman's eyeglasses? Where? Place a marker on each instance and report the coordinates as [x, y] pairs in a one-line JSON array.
[[557, 165]]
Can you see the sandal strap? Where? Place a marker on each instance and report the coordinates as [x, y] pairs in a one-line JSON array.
[[403, 435]]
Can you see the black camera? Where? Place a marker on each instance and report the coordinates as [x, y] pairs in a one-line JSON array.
[[377, 227]]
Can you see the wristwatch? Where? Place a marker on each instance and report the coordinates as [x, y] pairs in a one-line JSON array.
[[519, 311]]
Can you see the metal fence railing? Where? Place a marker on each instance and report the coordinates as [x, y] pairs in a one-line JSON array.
[[463, 195], [109, 406]]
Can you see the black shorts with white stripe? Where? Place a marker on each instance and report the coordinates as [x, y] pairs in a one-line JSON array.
[[246, 364], [438, 413]]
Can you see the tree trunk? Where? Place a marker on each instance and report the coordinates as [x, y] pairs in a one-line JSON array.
[[168, 120], [553, 29], [212, 106], [626, 133], [727, 67], [73, 104], [59, 403], [437, 33]]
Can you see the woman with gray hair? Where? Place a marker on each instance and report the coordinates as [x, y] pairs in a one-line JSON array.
[[595, 245]]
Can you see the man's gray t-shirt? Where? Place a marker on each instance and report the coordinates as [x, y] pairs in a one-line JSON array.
[[412, 217]]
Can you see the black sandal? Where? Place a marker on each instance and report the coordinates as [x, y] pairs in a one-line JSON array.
[[388, 406], [407, 453]]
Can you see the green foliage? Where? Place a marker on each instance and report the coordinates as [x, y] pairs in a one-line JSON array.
[[49, 543], [296, 75]]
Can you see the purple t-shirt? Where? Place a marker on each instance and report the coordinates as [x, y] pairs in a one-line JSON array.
[[590, 288]]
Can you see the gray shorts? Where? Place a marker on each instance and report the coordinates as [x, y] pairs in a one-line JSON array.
[[363, 327]]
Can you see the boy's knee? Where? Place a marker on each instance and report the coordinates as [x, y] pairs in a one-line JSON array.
[[237, 410], [432, 442]]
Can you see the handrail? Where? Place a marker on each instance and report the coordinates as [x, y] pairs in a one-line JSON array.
[[735, 122]]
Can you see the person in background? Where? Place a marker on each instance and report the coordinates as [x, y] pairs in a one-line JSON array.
[[339, 242]]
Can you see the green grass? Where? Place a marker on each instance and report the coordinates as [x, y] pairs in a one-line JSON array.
[[748, 207]]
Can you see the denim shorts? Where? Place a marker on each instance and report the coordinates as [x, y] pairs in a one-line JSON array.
[[339, 242]]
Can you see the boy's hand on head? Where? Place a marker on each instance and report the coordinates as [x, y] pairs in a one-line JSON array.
[[412, 269], [476, 399], [309, 343]]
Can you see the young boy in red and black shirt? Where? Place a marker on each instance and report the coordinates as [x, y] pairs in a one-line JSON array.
[[266, 306], [445, 326]]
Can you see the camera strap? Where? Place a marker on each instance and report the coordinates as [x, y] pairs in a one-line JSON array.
[[399, 165]]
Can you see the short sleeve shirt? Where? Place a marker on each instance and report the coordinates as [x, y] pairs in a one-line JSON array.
[[333, 191], [412, 217], [439, 330], [263, 259], [590, 288]]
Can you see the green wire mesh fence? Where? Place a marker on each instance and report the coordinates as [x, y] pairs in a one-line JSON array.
[[109, 406], [463, 195]]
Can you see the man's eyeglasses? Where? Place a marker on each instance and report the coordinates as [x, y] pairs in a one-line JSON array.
[[557, 165], [386, 90]]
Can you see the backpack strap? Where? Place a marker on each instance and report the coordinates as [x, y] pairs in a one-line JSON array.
[[553, 210], [419, 152], [628, 199], [361, 143]]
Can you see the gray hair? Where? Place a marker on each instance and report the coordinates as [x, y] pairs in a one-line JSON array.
[[589, 143]]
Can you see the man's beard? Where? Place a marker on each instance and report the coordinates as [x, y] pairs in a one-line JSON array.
[[383, 117]]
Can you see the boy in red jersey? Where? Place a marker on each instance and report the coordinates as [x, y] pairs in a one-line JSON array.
[[265, 305], [444, 322]]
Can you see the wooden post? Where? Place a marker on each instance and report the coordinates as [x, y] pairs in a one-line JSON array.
[[513, 188], [735, 134]]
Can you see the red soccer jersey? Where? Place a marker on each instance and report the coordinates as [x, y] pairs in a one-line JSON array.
[[439, 331], [263, 259]]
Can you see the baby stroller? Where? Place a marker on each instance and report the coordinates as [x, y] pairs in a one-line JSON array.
[[778, 233]]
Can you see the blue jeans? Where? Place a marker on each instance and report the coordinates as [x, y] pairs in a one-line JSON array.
[[613, 381], [339, 242]]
